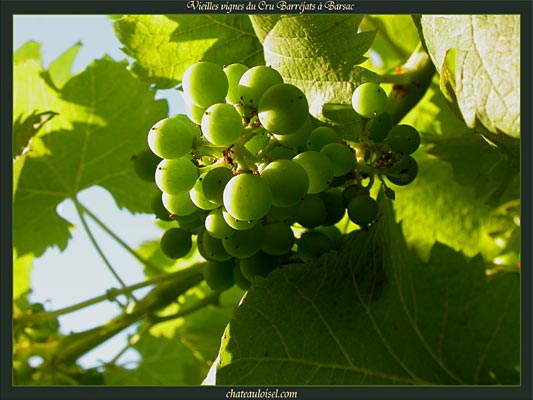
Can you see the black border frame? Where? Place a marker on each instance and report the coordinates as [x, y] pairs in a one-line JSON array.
[[8, 392]]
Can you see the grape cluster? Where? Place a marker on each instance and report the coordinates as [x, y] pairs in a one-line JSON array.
[[251, 180]]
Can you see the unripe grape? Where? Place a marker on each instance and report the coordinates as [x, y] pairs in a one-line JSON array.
[[319, 170], [403, 172], [278, 239], [403, 139], [288, 182], [179, 204], [216, 225], [211, 248], [176, 175], [313, 244], [234, 73], [321, 136], [255, 82], [260, 264], [311, 211], [239, 278], [144, 165], [243, 244], [247, 197], [219, 275], [283, 109], [222, 124], [176, 243], [214, 183], [379, 126], [362, 210], [172, 137], [205, 83], [369, 99], [158, 208], [341, 157]]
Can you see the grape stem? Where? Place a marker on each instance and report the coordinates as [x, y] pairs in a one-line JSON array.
[[43, 316], [97, 246], [69, 348], [149, 266], [410, 86]]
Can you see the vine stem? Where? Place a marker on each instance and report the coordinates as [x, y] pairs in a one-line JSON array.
[[43, 316], [97, 246], [149, 266]]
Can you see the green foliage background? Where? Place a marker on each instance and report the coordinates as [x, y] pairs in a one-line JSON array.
[[430, 295]]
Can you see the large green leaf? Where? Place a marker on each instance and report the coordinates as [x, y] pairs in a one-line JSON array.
[[462, 188], [163, 46], [319, 54], [373, 314], [89, 142], [487, 65]]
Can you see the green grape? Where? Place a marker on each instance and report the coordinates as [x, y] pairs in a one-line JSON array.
[[341, 157], [216, 225], [176, 175], [205, 83], [319, 170], [362, 210], [283, 109], [172, 137], [379, 126], [219, 275], [239, 278], [179, 204], [176, 243], [350, 192], [215, 181], [158, 208], [369, 99], [234, 73], [144, 165], [283, 214], [403, 139], [237, 224], [191, 222], [260, 264], [222, 124], [278, 239], [288, 182], [297, 138], [211, 248], [281, 153], [321, 136], [311, 211], [247, 197], [313, 244], [243, 244], [403, 172], [338, 181], [255, 82], [198, 197], [192, 111], [335, 208]]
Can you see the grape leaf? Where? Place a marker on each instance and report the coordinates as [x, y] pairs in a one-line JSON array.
[[89, 142], [320, 55], [60, 70], [163, 46], [403, 321], [22, 267], [460, 173], [487, 66]]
